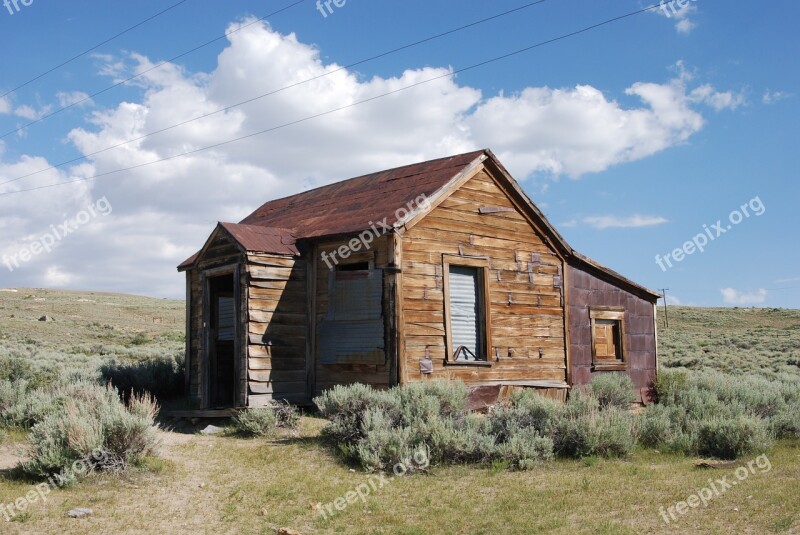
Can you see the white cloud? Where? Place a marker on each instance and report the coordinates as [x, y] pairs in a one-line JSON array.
[[634, 221], [726, 100], [732, 296], [784, 281], [54, 276], [681, 14], [773, 97], [73, 97], [29, 112], [164, 212], [5, 106]]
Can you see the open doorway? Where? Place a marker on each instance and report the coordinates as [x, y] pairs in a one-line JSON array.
[[221, 325]]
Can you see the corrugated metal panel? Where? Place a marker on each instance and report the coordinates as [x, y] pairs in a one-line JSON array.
[[353, 332], [465, 309], [263, 239]]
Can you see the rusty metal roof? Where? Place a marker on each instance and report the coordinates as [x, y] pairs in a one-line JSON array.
[[263, 239], [353, 205]]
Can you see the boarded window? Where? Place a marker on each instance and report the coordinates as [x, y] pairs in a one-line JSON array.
[[225, 319], [466, 310], [608, 338], [353, 330]]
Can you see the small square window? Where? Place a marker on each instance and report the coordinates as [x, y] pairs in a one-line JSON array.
[[608, 338]]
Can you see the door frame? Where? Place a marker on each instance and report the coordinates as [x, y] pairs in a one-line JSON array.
[[205, 365]]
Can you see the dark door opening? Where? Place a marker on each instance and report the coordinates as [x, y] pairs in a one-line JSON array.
[[222, 325]]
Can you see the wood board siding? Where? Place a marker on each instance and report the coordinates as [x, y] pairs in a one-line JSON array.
[[587, 290], [276, 328], [525, 280], [378, 372]]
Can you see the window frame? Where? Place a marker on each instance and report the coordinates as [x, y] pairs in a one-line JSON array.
[[485, 320], [616, 314]]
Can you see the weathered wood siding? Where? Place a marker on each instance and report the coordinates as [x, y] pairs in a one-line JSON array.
[[277, 321], [587, 290], [221, 252], [377, 373], [525, 279]]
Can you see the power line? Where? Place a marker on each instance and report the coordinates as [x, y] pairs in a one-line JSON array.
[[351, 105], [154, 67], [73, 58], [273, 92]]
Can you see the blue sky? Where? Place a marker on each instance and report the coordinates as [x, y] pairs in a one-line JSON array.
[[630, 137]]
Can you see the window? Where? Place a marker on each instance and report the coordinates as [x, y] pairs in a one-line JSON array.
[[608, 338], [466, 311], [352, 331]]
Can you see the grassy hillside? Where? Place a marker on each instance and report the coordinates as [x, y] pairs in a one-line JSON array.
[[733, 340], [87, 328], [91, 326]]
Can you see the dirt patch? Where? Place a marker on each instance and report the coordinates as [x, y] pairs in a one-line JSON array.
[[11, 455]]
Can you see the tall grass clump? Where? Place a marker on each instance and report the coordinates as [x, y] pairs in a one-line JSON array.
[[89, 423]]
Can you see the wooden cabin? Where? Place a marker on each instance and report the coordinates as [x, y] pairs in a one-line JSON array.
[[443, 269]]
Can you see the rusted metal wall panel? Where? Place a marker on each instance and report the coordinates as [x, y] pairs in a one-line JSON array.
[[587, 290]]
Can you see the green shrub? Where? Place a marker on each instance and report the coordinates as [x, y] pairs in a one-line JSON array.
[[259, 422], [668, 385], [526, 449], [162, 377], [439, 397], [786, 424], [584, 429], [14, 369], [89, 424], [526, 409], [661, 426], [345, 407], [730, 438], [22, 407], [613, 389]]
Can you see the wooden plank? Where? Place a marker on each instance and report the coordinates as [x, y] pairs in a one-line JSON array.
[[277, 363], [277, 376], [272, 261], [277, 388]]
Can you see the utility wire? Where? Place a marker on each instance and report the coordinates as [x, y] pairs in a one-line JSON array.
[[284, 88], [154, 67], [351, 105], [73, 58]]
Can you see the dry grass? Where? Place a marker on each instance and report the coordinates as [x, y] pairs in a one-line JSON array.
[[225, 484], [738, 340]]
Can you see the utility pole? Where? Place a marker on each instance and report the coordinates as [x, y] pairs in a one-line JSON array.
[[666, 313]]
